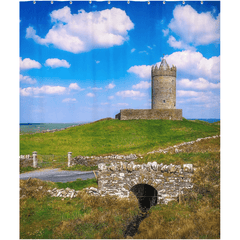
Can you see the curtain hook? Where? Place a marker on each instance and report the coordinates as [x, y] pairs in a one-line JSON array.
[[51, 2], [128, 1], [34, 2], [148, 2], [183, 2], [70, 2], [90, 2], [201, 2], [109, 2], [163, 2]]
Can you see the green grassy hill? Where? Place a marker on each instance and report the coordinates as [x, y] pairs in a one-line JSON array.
[[196, 216], [114, 136]]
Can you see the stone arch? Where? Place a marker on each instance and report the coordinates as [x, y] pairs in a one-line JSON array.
[[146, 195]]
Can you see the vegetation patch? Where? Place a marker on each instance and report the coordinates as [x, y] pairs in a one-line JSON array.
[[195, 215], [117, 137]]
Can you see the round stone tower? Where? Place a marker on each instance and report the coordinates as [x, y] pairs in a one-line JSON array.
[[163, 86]]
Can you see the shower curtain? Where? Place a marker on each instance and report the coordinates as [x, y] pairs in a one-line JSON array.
[[83, 64]]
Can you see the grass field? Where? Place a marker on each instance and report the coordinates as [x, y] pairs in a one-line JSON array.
[[196, 216], [114, 136]]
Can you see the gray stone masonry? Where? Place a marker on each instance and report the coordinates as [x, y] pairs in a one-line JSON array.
[[163, 84], [120, 177], [153, 114], [95, 160], [28, 160]]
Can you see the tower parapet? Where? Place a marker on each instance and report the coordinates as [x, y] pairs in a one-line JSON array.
[[164, 70]]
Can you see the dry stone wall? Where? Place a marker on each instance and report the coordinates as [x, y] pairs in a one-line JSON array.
[[119, 178], [95, 160], [182, 146]]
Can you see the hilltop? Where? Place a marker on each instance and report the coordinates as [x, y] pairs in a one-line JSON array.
[[110, 136]]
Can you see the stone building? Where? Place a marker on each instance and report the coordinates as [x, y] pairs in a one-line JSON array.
[[163, 82]]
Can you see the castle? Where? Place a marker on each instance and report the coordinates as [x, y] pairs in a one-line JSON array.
[[163, 81]]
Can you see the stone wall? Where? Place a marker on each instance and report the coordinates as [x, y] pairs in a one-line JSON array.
[[154, 114], [163, 92], [121, 178], [95, 160], [28, 160]]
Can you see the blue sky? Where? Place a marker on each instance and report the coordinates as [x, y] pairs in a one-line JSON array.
[[82, 62]]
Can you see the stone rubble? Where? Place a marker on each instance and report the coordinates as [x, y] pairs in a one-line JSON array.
[[92, 191], [176, 149], [63, 193]]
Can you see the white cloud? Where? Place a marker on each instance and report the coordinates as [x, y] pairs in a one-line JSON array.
[[85, 31], [105, 103], [199, 83], [120, 104], [97, 62], [55, 63], [193, 27], [178, 44], [95, 88], [74, 86], [187, 62], [143, 52], [143, 71], [90, 95], [111, 97], [110, 86], [46, 89], [195, 64], [133, 50], [27, 79], [142, 85], [165, 32], [208, 99], [130, 93], [28, 63], [30, 91], [69, 100], [183, 93]]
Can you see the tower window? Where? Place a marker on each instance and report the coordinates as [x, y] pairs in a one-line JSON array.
[[164, 101]]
